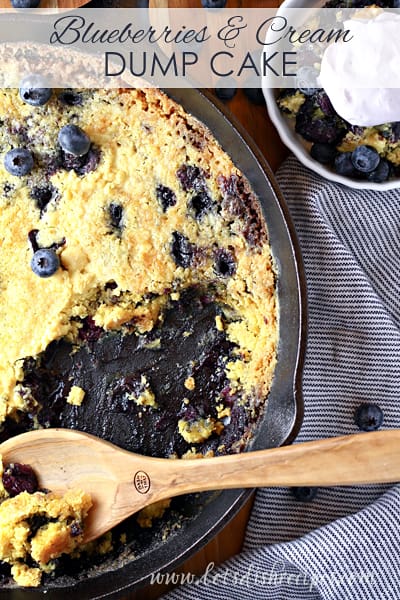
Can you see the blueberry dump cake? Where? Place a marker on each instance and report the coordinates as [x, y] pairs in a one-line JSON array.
[[137, 291], [360, 149]]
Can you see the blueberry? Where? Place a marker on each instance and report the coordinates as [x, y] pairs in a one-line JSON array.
[[116, 213], [82, 164], [228, 90], [75, 528], [225, 263], [90, 332], [37, 522], [191, 178], [225, 93], [201, 203], [70, 98], [365, 159], [165, 196], [344, 165], [306, 80], [25, 3], [74, 140], [45, 262], [356, 130], [7, 189], [19, 478], [325, 104], [213, 3], [395, 135], [381, 173], [307, 56], [368, 417], [43, 195], [324, 130], [255, 95], [305, 493], [34, 91], [181, 250], [323, 153], [32, 237], [18, 161]]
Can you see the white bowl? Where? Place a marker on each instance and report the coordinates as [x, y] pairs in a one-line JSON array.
[[295, 142]]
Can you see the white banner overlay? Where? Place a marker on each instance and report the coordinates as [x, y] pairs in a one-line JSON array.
[[344, 48]]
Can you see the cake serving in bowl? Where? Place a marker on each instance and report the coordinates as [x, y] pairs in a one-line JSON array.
[[337, 119], [137, 290]]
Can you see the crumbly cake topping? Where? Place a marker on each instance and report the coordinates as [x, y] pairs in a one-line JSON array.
[[36, 527], [154, 205]]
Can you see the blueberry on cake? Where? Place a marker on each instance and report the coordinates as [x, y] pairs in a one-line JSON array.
[[137, 291]]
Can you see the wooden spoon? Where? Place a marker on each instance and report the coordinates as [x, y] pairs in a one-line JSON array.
[[121, 483]]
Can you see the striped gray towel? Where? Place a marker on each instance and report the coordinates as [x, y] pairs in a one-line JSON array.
[[345, 543]]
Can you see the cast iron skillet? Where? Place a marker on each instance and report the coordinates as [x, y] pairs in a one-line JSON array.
[[201, 517]]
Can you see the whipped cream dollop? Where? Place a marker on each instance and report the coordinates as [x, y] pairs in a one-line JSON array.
[[362, 76]]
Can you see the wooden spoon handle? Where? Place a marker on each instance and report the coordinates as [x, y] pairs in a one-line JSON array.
[[354, 459]]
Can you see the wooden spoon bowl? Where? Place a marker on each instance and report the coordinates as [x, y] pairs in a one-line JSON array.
[[121, 483]]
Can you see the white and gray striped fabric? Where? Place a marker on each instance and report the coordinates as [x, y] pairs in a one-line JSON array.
[[345, 544]]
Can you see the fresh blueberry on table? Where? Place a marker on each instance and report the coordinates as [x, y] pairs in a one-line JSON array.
[[19, 478], [45, 262], [213, 3], [255, 95], [74, 140], [25, 3], [365, 159], [228, 90], [33, 90], [323, 153], [225, 93], [305, 493], [368, 417], [18, 161]]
